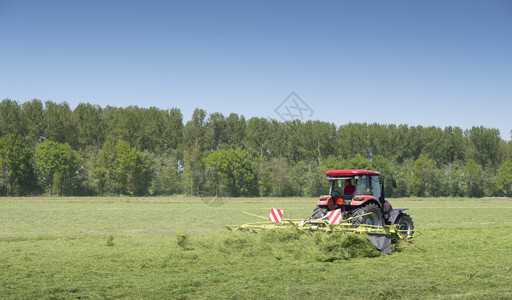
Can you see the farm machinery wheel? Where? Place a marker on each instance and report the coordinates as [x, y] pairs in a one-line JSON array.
[[405, 225], [319, 212], [372, 219]]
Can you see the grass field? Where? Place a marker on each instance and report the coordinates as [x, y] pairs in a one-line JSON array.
[[133, 248]]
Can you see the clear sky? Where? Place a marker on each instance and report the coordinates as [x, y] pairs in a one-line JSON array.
[[440, 63]]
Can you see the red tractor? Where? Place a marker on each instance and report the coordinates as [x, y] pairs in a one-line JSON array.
[[358, 192]]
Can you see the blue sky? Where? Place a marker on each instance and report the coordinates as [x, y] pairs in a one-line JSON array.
[[440, 63]]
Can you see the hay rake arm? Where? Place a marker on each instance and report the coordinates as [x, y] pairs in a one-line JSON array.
[[380, 236]]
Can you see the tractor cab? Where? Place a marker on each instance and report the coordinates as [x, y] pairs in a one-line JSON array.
[[353, 188], [358, 185], [355, 192]]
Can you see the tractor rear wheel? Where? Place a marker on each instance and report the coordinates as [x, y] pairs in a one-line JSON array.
[[405, 225], [375, 218], [319, 212]]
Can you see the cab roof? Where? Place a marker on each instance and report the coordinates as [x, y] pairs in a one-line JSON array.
[[349, 173]]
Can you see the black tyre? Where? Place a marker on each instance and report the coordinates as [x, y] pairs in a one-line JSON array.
[[375, 218], [319, 212], [405, 225]]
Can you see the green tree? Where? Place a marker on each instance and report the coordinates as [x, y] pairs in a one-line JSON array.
[[317, 139], [352, 139], [159, 144], [504, 178], [433, 144], [416, 140], [382, 139], [402, 171], [215, 131], [122, 169], [173, 132], [167, 176], [103, 174], [90, 126], [31, 114], [257, 135], [161, 130], [424, 177], [299, 178], [195, 140], [282, 184], [84, 178], [280, 141], [58, 123], [316, 184], [402, 151], [16, 166], [332, 163], [231, 170], [452, 145], [474, 179], [290, 142], [152, 127], [216, 166], [10, 121], [133, 173], [356, 162], [452, 181], [126, 124], [263, 177], [51, 159], [483, 145], [66, 176], [235, 131]]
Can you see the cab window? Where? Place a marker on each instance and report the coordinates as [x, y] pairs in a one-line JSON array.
[[376, 187], [363, 185]]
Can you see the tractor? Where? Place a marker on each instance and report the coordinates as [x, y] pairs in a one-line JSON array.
[[361, 193]]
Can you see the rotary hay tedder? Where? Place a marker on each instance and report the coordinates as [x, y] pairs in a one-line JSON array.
[[355, 204], [381, 236]]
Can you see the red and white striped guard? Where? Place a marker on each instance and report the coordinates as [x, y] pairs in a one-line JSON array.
[[276, 215], [334, 217]]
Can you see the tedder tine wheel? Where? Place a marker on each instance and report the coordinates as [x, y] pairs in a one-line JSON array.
[[405, 225]]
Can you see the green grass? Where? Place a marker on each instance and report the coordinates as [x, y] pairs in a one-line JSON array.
[[134, 248]]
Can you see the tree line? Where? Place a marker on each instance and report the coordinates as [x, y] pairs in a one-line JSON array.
[[48, 148]]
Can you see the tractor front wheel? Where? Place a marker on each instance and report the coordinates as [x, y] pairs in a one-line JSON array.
[[319, 212], [375, 218]]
